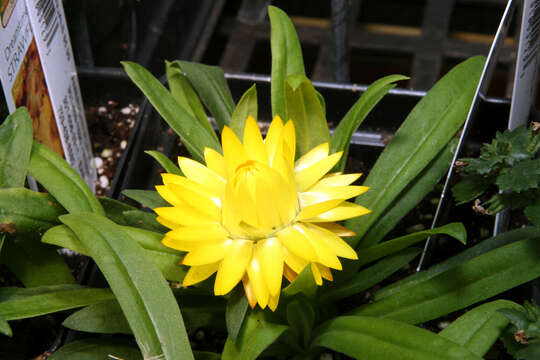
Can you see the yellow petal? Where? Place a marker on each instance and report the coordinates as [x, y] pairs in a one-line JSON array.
[[197, 274], [325, 272], [207, 233], [345, 210], [273, 301], [295, 263], [257, 283], [233, 151], [316, 274], [289, 273], [200, 174], [198, 200], [294, 239], [325, 255], [167, 223], [320, 194], [180, 245], [169, 196], [333, 241], [253, 142], [208, 254], [248, 289], [183, 216], [289, 139], [337, 179], [215, 162], [270, 254], [313, 210], [337, 229], [316, 154], [232, 268], [308, 176], [273, 137]]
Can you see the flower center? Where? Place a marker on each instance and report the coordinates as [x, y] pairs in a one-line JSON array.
[[258, 203]]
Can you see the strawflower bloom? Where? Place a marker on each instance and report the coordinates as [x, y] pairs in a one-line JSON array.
[[255, 215]]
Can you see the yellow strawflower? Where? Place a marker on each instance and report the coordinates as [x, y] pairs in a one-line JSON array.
[[256, 215]]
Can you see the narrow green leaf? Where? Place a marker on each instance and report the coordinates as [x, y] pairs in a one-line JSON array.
[[29, 213], [195, 136], [466, 255], [144, 220], [286, 57], [115, 209], [15, 147], [247, 106], [236, 311], [148, 198], [21, 303], [533, 214], [106, 318], [166, 259], [198, 310], [479, 328], [368, 338], [211, 85], [34, 263], [143, 293], [186, 97], [425, 132], [61, 181], [412, 195], [465, 284], [164, 161], [255, 336], [368, 277], [470, 188], [303, 107], [304, 283], [341, 137], [5, 328], [98, 349], [365, 256], [301, 317]]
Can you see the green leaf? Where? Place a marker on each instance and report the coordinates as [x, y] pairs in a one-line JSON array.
[[98, 349], [247, 106], [462, 285], [368, 338], [368, 277], [148, 198], [286, 57], [22, 303], [466, 255], [29, 212], [479, 328], [341, 137], [425, 132], [186, 97], [211, 85], [114, 209], [516, 317], [106, 318], [303, 107], [470, 188], [164, 161], [255, 336], [34, 263], [141, 290], [533, 214], [194, 135], [412, 194], [236, 311], [304, 283], [61, 181], [523, 176], [530, 352], [5, 328], [365, 256], [144, 220], [301, 318], [198, 309], [15, 147], [166, 259]]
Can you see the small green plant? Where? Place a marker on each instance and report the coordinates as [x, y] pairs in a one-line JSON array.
[[522, 336], [508, 166]]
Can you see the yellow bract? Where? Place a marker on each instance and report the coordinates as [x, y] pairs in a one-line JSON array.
[[255, 215]]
